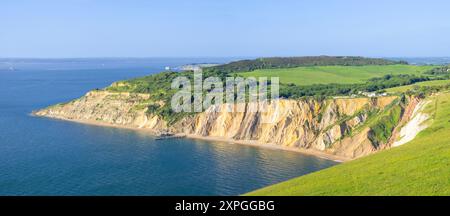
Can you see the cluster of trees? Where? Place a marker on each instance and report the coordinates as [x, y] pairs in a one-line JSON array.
[[390, 81], [325, 90], [444, 70], [422, 91], [289, 62]]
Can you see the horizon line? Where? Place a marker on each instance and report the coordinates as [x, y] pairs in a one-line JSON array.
[[249, 57]]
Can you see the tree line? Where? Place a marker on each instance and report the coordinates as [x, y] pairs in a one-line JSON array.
[[290, 62]]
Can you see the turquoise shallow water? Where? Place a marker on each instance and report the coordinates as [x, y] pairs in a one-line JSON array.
[[40, 156]]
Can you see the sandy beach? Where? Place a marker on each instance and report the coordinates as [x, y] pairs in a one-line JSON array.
[[271, 146]]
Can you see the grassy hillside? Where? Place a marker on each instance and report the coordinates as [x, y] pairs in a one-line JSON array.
[[426, 83], [336, 74], [420, 167]]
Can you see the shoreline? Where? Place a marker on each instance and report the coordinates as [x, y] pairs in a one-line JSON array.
[[309, 152]]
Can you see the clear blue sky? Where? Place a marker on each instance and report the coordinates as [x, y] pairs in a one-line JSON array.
[[201, 28]]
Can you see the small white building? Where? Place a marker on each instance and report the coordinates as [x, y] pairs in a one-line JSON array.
[[372, 94]]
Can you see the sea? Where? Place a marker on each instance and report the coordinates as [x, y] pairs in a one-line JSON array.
[[42, 156]]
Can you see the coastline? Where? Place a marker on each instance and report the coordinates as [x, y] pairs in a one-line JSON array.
[[309, 152]]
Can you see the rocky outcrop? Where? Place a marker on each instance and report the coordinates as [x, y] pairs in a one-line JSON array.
[[120, 109], [333, 126]]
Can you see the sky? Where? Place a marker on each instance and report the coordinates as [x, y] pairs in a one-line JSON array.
[[223, 28]]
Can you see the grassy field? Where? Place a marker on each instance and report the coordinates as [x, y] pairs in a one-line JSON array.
[[426, 83], [420, 167], [335, 74]]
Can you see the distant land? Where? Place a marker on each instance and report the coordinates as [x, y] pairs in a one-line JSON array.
[[130, 62]]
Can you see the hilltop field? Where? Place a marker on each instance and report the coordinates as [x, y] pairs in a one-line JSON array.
[[309, 75]]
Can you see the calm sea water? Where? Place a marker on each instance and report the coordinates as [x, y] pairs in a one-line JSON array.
[[40, 156]]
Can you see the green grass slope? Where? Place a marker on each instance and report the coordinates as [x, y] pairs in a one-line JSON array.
[[420, 167], [336, 74], [420, 84]]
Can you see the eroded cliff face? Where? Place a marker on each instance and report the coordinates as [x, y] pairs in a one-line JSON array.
[[326, 126], [334, 126], [120, 109]]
